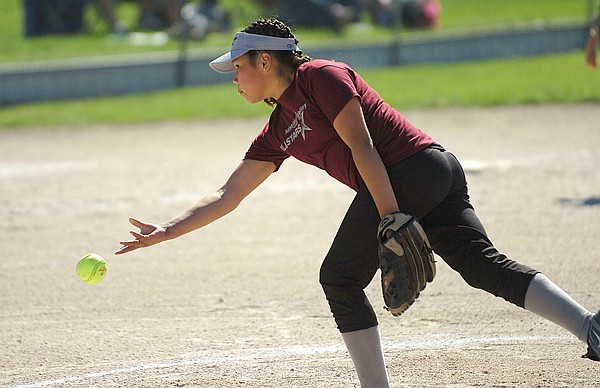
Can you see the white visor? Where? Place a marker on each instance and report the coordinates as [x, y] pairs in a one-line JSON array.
[[244, 42]]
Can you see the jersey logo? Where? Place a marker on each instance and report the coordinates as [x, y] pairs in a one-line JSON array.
[[296, 128]]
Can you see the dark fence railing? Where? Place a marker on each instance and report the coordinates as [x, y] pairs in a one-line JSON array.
[[107, 76]]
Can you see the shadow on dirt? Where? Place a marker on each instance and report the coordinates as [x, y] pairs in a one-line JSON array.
[[591, 201]]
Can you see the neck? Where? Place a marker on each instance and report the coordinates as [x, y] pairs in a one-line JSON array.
[[283, 80]]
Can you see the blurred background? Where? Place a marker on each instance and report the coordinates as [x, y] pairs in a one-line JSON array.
[[75, 50]]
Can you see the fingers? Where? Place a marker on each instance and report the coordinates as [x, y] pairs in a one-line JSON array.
[[125, 248], [128, 246], [149, 234], [140, 241], [131, 245], [138, 236], [135, 222]]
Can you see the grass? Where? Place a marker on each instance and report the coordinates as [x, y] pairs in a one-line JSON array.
[[544, 79], [476, 13], [14, 47]]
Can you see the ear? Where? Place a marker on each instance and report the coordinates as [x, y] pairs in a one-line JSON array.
[[265, 61]]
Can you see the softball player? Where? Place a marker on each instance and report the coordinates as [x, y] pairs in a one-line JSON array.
[[326, 115], [590, 50]]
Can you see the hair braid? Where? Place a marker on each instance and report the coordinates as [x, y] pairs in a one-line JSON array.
[[276, 28]]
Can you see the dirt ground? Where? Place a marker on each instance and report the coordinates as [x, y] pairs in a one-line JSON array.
[[238, 304]]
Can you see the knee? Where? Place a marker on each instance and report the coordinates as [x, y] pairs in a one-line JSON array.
[[347, 300], [326, 275]]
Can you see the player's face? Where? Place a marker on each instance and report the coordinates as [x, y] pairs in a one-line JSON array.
[[250, 80]]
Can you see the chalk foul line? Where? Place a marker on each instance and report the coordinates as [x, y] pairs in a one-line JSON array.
[[288, 351]]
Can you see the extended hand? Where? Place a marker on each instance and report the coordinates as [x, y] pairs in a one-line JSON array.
[[148, 235]]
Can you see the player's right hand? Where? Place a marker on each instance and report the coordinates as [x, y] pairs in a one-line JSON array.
[[148, 235]]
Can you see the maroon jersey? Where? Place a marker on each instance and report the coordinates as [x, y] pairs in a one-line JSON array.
[[302, 123]]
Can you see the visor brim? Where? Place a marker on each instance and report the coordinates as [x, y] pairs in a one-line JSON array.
[[224, 64]]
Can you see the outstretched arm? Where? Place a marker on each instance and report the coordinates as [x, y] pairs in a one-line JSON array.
[[246, 177]]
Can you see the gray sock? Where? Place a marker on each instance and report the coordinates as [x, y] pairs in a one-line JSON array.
[[364, 347], [549, 301]]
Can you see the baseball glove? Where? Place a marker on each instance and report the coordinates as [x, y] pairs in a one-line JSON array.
[[406, 261]]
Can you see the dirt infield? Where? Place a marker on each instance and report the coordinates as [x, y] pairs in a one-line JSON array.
[[238, 304]]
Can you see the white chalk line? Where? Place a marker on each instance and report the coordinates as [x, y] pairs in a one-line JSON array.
[[441, 342], [42, 168]]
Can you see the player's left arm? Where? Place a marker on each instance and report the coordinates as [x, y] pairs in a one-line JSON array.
[[246, 177], [351, 126]]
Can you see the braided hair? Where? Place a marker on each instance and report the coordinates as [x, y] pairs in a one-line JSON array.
[[276, 28]]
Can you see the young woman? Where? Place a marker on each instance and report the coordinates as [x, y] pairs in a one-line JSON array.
[[326, 115]]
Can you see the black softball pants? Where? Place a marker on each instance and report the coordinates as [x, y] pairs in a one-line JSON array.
[[430, 185]]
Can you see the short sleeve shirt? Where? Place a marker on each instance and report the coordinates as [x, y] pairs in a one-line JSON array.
[[301, 125]]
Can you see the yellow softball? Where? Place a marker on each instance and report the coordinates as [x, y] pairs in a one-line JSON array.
[[91, 268]]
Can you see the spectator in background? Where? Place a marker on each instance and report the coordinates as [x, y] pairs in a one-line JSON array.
[[199, 20], [318, 13], [108, 10], [421, 13], [219, 19], [159, 14], [66, 16], [593, 41], [339, 13], [408, 13]]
